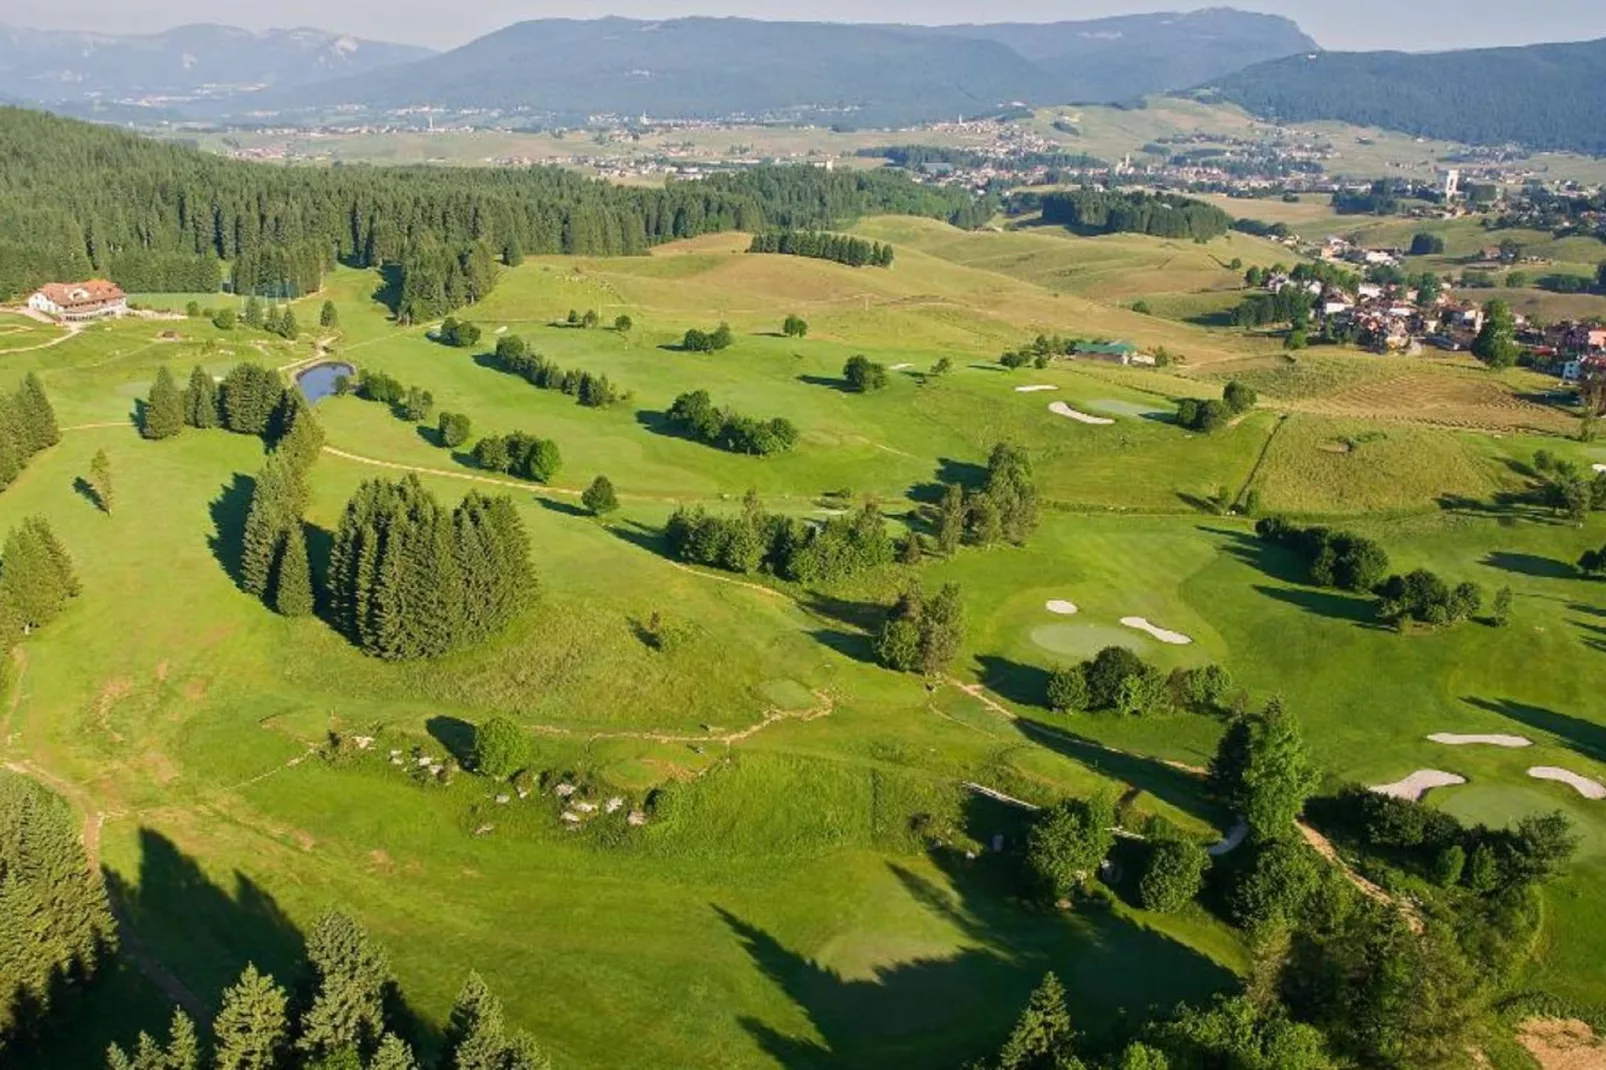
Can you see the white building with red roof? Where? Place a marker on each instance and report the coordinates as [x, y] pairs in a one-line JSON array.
[[79, 301]]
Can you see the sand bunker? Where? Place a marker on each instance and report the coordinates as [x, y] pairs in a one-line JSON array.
[[1034, 388], [1063, 608], [1598, 467], [1142, 625], [901, 367], [1418, 783], [1588, 788], [1059, 408], [1453, 740]]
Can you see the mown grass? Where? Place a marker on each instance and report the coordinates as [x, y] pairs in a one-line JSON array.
[[781, 909]]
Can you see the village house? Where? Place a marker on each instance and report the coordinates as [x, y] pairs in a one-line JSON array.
[[75, 302]]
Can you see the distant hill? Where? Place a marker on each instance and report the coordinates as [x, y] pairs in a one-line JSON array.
[[1130, 56], [1542, 96], [61, 67], [855, 74]]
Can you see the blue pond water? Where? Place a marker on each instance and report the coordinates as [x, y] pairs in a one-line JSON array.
[[318, 381]]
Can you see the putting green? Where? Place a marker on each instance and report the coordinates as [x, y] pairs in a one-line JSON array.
[[1085, 640]]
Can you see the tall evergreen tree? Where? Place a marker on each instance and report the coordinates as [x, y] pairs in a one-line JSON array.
[[200, 399], [251, 1029], [951, 518], [393, 1054], [250, 396], [329, 315], [1263, 771], [474, 1034], [351, 975], [100, 479], [292, 582], [164, 409], [38, 417], [1042, 1038], [36, 575], [277, 502], [288, 327], [599, 498]]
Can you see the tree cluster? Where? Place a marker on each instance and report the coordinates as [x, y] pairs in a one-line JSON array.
[[863, 375], [841, 248], [700, 341], [695, 415], [274, 564], [788, 547], [1423, 597], [459, 334], [795, 326], [1211, 413], [54, 915], [408, 579], [1164, 215], [519, 454], [27, 425], [1496, 343], [411, 403], [922, 635], [347, 1012], [594, 390], [1338, 559], [1117, 679]]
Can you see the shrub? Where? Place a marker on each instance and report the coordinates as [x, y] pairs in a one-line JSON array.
[[454, 428], [864, 375], [500, 748], [1172, 875], [1067, 689]]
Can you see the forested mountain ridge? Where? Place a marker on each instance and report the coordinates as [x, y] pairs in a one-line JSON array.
[[60, 66], [1549, 96], [78, 199], [850, 73]]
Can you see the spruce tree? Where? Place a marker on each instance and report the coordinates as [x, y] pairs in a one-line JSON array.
[[251, 1028], [292, 583], [253, 312], [100, 480], [288, 327], [351, 975], [164, 409], [1043, 1035], [200, 399], [599, 498], [38, 418], [272, 320], [393, 1054], [951, 518], [250, 396], [277, 503], [474, 1037], [329, 316], [36, 575]]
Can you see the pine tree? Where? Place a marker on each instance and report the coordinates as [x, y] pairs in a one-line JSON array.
[[251, 1028], [200, 399], [288, 327], [251, 394], [38, 419], [474, 1038], [329, 315], [393, 1054], [599, 498], [100, 480], [1043, 1032], [292, 584], [951, 518], [351, 976], [271, 322], [253, 312], [277, 502], [183, 1047], [36, 575], [164, 409]]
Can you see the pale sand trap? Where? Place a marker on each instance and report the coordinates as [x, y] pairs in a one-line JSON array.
[[1598, 467], [1453, 740], [1589, 789], [1063, 608], [901, 367], [1034, 388], [1059, 408], [1418, 784], [1142, 625], [1235, 836]]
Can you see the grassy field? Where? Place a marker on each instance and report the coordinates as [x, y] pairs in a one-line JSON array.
[[779, 910]]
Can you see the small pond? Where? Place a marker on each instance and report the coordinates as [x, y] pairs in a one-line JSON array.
[[318, 381]]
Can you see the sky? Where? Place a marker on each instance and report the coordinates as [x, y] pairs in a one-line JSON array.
[[1413, 25]]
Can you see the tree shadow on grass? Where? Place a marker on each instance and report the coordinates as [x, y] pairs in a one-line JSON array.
[[228, 511], [1331, 604], [1506, 507], [562, 508], [902, 1013], [84, 490], [1586, 737], [1274, 561], [640, 536], [828, 381], [389, 290], [1530, 565], [1026, 685], [456, 735], [431, 436], [1186, 791]]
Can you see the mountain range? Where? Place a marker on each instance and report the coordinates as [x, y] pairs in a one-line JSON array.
[[1540, 96], [567, 69], [179, 65]]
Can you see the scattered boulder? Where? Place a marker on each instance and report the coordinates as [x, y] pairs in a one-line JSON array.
[[636, 819], [614, 804]]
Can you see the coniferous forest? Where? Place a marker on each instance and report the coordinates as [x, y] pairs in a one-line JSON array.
[[78, 200], [1164, 215]]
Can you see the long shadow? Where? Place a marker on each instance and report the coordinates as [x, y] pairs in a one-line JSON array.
[[659, 423], [967, 474], [839, 385], [228, 510], [455, 734], [1530, 565], [552, 505], [1330, 604], [1585, 737], [1506, 507], [1016, 681], [431, 435], [320, 546], [86, 491], [641, 536], [389, 291], [1277, 562], [1174, 786], [903, 1013]]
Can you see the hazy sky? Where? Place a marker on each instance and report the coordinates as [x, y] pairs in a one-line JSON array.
[[1412, 24]]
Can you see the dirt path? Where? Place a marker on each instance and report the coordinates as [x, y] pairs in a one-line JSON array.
[[771, 717], [19, 659], [129, 944], [69, 330]]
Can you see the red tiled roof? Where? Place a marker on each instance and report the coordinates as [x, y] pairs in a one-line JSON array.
[[71, 295]]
